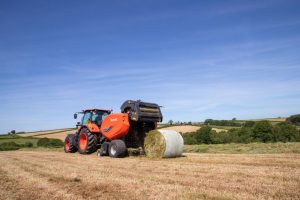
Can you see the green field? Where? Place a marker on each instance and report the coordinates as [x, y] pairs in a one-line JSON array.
[[15, 142], [18, 139], [252, 148]]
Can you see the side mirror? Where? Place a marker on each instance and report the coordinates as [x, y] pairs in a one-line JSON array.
[[75, 116]]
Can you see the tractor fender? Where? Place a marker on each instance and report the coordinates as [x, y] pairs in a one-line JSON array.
[[93, 128]]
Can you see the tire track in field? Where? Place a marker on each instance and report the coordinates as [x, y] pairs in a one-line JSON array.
[[72, 186], [172, 181], [20, 184], [33, 167], [12, 189], [126, 171]]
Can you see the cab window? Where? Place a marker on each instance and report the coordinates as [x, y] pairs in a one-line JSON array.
[[104, 115], [86, 117]]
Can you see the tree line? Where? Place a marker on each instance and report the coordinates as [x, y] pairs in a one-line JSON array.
[[232, 122], [294, 119], [260, 131]]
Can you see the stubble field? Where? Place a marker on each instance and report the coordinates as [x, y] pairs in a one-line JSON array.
[[56, 175], [54, 134], [189, 128]]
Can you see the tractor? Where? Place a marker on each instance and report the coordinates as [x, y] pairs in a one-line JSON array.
[[111, 134]]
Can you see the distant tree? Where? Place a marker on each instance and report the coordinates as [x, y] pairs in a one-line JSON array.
[[285, 132], [189, 138], [295, 119], [220, 137], [234, 119], [222, 122], [189, 123], [208, 121], [249, 123], [262, 131], [13, 132], [203, 135], [170, 122], [244, 135]]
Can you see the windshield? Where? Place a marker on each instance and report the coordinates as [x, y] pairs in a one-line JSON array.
[[86, 117], [98, 116]]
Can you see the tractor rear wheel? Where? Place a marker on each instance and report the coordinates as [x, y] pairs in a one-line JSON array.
[[87, 142], [117, 149], [70, 144]]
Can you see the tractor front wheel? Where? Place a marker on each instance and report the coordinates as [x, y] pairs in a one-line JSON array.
[[70, 144], [117, 149], [87, 142]]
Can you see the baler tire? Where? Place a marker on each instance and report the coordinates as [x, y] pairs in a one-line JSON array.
[[100, 153], [89, 145], [103, 151], [70, 144], [117, 149]]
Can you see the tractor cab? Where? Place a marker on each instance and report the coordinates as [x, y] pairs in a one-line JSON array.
[[94, 116]]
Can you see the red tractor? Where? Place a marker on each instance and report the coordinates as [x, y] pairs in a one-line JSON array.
[[112, 133]]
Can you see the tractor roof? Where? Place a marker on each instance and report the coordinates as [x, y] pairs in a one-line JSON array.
[[96, 109]]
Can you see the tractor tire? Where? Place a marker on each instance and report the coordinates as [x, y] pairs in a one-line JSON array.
[[70, 144], [87, 142], [117, 149]]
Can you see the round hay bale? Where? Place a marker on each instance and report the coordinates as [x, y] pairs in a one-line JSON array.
[[163, 144], [155, 144]]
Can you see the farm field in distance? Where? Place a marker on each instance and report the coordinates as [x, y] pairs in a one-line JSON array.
[[251, 148], [62, 133], [188, 128], [55, 134], [56, 175]]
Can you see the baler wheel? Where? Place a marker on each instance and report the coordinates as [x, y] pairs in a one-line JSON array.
[[70, 144], [103, 151], [100, 153], [87, 142], [117, 149]]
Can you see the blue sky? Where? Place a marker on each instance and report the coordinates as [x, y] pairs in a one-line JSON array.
[[198, 59]]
